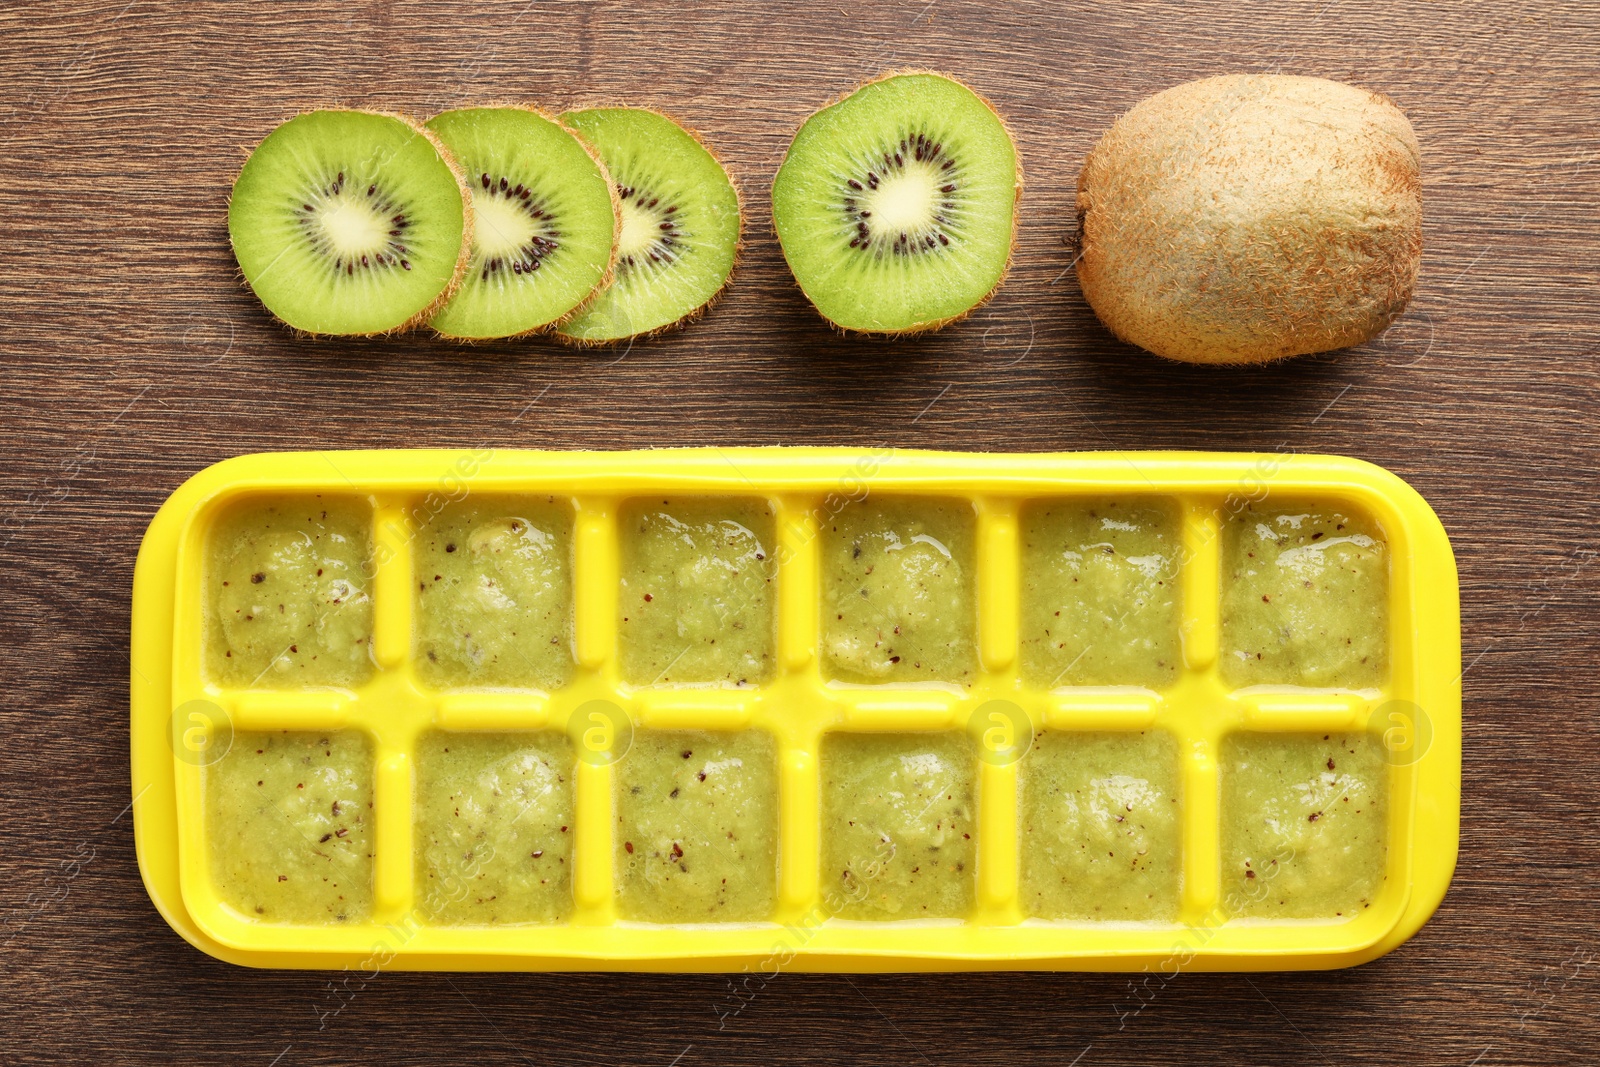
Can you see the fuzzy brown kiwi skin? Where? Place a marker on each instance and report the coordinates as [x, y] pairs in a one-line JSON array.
[[616, 231], [1016, 202], [738, 244], [462, 257], [1365, 275]]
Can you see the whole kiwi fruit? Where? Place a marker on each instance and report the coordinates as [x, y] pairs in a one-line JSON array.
[[1251, 217]]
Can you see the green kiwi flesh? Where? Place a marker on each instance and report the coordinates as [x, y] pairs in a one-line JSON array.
[[544, 228], [680, 224], [349, 222], [896, 206]]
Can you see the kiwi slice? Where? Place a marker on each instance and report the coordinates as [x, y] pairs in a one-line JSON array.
[[544, 231], [349, 222], [680, 224], [897, 206]]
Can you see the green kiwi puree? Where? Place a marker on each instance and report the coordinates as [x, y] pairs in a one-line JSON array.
[[1100, 827], [1304, 824], [1100, 593], [289, 821], [696, 833], [899, 594], [494, 827], [696, 603], [287, 597], [494, 594], [287, 591], [899, 817], [1304, 599]]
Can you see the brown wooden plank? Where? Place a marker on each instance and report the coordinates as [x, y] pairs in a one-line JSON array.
[[132, 357]]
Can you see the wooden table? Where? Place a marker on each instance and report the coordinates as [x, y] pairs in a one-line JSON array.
[[132, 357]]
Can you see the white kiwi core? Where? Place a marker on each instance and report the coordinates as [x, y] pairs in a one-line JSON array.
[[501, 227], [352, 227], [903, 201], [639, 229]]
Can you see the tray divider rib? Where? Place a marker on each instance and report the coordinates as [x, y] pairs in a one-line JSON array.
[[596, 574], [793, 709], [1195, 710], [1005, 722]]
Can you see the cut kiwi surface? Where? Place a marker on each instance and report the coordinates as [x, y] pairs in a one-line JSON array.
[[349, 222], [545, 224], [896, 207], [680, 224]]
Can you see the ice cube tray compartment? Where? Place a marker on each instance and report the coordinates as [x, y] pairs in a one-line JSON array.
[[798, 706]]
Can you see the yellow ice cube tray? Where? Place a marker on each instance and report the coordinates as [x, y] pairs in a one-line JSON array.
[[1416, 713]]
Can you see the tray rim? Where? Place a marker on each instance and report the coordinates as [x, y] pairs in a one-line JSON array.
[[1436, 825]]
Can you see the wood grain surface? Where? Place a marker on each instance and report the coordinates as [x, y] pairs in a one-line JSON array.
[[132, 357]]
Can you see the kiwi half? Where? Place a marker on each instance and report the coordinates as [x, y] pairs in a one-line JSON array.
[[349, 222], [545, 224], [680, 225], [897, 206]]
